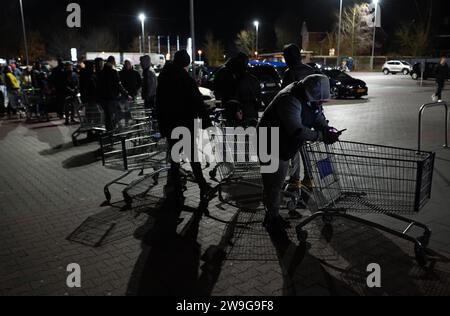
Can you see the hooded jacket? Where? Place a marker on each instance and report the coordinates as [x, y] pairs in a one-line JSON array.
[[149, 82], [297, 70], [297, 114], [131, 81], [178, 100], [109, 85]]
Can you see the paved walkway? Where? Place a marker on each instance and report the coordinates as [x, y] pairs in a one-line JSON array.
[[48, 188]]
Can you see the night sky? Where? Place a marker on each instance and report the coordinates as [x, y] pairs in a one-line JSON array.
[[224, 18]]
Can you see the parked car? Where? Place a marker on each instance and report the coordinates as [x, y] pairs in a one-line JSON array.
[[268, 77], [269, 80], [343, 85], [396, 66], [429, 71]]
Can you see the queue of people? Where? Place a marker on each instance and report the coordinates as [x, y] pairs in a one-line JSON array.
[[95, 83]]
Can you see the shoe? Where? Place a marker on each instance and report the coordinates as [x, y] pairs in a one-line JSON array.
[[439, 101], [434, 98], [275, 223]]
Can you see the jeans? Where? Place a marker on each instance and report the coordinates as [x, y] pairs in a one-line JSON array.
[[273, 184], [110, 110], [295, 166]]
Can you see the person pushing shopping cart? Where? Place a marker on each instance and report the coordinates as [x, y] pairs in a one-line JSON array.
[[298, 114]]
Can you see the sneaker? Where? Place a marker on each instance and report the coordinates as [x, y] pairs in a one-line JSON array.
[[434, 98], [440, 101]]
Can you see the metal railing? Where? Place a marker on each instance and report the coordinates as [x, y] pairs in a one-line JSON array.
[[421, 112]]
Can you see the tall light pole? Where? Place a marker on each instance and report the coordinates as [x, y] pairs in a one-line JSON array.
[[192, 22], [375, 2], [256, 24], [24, 33], [339, 34], [142, 19]]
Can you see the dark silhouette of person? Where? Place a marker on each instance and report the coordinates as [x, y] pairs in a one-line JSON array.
[[131, 79], [178, 104], [149, 82], [110, 90]]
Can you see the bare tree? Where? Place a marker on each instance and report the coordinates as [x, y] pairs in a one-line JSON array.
[[61, 41], [356, 35], [245, 42], [214, 50], [36, 46], [413, 38]]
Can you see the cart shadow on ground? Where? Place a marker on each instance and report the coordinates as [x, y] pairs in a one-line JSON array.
[[333, 262]]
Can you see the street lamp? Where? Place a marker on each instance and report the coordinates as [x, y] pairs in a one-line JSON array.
[[142, 18], [24, 33], [339, 36], [375, 2], [256, 24], [200, 52]]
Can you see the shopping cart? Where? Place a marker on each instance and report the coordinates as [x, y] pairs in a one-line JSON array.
[[92, 120], [31, 102], [235, 152], [361, 178], [133, 150]]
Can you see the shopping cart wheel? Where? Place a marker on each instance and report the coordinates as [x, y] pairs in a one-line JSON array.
[[302, 235], [421, 256]]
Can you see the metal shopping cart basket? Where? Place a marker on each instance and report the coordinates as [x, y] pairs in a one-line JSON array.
[[361, 178], [237, 169], [92, 120]]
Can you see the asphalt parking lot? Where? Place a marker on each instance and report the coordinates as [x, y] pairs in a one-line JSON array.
[[48, 188]]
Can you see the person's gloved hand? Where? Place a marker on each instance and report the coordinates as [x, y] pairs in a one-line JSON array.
[[331, 136]]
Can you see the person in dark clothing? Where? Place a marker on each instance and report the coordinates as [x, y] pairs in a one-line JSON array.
[[149, 82], [57, 79], [248, 94], [442, 74], [71, 89], [109, 90], [39, 82], [131, 79], [88, 84], [297, 71], [178, 104], [226, 79], [99, 63], [298, 114], [88, 93]]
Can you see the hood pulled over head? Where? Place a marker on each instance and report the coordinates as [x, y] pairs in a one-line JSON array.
[[316, 88]]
